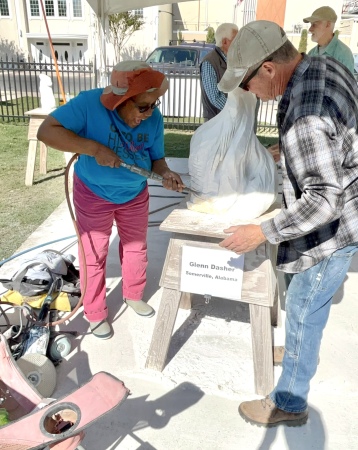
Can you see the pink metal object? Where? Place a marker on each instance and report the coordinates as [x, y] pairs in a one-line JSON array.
[[59, 424]]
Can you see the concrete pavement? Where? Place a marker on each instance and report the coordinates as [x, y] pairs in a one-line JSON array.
[[193, 403]]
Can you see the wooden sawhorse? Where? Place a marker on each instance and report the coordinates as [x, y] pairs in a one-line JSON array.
[[37, 116], [259, 289]]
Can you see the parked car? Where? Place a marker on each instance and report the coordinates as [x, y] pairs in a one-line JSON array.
[[182, 59]]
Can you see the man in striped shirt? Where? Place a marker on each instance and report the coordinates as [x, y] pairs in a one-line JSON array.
[[317, 228]]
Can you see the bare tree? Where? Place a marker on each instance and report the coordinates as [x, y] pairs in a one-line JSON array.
[[131, 52], [8, 49], [121, 28]]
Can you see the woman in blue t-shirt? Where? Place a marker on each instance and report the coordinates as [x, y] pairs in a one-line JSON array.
[[106, 127]]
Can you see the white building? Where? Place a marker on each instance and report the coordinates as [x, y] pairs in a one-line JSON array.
[[76, 31]]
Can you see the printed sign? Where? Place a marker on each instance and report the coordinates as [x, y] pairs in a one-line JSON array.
[[212, 272]]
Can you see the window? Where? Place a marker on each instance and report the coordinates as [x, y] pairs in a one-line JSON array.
[[34, 8], [62, 11], [49, 8], [77, 8], [138, 12], [4, 8], [54, 8]]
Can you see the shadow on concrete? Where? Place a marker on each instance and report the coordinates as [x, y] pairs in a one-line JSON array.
[[312, 436], [134, 414], [157, 245], [220, 308], [138, 413]]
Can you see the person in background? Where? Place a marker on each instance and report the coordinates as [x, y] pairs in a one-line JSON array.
[[106, 127], [322, 25], [212, 69], [317, 228]]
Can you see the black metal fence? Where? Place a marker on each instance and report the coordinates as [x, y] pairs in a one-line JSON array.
[[181, 105], [20, 84]]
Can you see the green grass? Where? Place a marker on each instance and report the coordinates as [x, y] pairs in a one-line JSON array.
[[177, 143], [17, 107], [268, 139], [24, 208]]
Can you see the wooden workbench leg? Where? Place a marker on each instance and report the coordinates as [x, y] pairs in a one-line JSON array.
[[185, 300], [276, 305], [261, 333], [43, 159], [31, 158], [276, 320], [163, 329]]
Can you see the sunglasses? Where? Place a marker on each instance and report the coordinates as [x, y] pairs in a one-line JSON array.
[[244, 84], [143, 109]]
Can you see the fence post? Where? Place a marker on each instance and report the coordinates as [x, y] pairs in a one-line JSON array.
[[181, 105], [95, 72]]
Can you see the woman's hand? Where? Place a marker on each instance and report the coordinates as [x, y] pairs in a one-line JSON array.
[[106, 157], [172, 181]]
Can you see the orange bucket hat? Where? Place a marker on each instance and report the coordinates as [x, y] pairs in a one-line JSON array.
[[130, 78]]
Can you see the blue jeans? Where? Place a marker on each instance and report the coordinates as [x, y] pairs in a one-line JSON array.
[[308, 302]]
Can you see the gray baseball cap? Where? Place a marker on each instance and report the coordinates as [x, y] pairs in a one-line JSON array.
[[253, 44]]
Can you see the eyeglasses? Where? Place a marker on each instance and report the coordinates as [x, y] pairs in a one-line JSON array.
[[244, 84], [143, 109]]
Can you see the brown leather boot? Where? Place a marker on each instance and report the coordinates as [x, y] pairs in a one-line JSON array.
[[266, 414]]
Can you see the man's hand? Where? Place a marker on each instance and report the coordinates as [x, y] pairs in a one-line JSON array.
[[243, 239]]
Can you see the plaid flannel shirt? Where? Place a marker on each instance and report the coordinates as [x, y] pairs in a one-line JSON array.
[[317, 120]]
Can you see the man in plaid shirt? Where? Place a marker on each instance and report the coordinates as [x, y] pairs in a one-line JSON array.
[[317, 228]]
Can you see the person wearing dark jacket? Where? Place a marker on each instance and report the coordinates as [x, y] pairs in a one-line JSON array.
[[212, 68]]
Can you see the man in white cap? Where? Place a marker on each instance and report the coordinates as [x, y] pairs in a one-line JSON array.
[[322, 25], [317, 228]]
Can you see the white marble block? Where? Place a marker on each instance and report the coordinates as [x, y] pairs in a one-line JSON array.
[[233, 173]]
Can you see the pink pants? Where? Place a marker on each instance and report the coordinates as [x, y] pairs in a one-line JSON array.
[[94, 217]]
